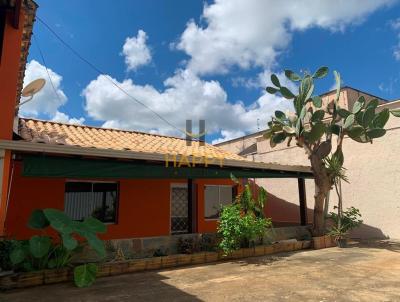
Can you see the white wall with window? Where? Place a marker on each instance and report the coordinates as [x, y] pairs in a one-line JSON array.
[[90, 198], [214, 197]]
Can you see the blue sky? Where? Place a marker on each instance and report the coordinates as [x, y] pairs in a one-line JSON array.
[[198, 60]]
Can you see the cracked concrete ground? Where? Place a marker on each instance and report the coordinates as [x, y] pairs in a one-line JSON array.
[[362, 272]]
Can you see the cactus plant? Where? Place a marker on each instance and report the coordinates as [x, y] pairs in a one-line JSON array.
[[313, 130]]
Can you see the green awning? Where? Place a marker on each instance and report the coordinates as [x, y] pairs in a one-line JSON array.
[[51, 166]]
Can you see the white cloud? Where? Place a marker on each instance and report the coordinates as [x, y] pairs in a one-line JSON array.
[[227, 135], [64, 118], [46, 101], [136, 52], [252, 33], [395, 24], [185, 96]]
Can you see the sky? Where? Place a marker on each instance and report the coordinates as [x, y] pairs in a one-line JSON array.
[[158, 63]]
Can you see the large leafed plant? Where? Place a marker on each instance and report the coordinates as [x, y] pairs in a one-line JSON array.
[[320, 130], [46, 251]]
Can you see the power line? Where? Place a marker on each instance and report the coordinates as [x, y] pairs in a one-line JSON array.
[[100, 72], [47, 70]]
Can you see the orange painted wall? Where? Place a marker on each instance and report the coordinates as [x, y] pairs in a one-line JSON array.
[[9, 67], [144, 205]]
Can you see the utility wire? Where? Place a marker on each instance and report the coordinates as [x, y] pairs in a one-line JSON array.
[[99, 71], [47, 70]]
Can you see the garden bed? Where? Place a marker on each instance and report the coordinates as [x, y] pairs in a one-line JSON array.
[[21, 280]]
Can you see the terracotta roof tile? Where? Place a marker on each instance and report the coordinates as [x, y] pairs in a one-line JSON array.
[[102, 138]]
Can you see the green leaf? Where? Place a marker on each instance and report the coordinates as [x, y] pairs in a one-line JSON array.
[[349, 121], [375, 133], [38, 220], [373, 103], [279, 137], [303, 112], [96, 244], [368, 117], [59, 220], [271, 90], [335, 129], [316, 132], [95, 225], [298, 127], [318, 116], [286, 93], [339, 156], [361, 139], [68, 241], [85, 275], [395, 112], [355, 131], [17, 255], [280, 115], [358, 105], [321, 72], [292, 76], [39, 246], [343, 113], [338, 83], [381, 118], [289, 130], [307, 87], [275, 80], [317, 101]]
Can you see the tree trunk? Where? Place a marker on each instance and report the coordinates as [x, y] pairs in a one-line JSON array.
[[322, 187]]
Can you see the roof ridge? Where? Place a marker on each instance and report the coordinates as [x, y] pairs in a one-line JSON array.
[[102, 128]]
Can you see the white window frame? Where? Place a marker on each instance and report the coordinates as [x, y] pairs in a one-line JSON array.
[[219, 193]]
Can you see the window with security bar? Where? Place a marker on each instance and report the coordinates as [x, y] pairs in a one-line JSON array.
[[96, 199], [216, 196], [179, 210]]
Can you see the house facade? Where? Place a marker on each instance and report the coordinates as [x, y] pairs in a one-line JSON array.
[[143, 186]]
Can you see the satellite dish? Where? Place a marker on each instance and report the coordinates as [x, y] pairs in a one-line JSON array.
[[33, 87]]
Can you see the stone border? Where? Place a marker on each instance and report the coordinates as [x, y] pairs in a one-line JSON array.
[[28, 279], [323, 242]]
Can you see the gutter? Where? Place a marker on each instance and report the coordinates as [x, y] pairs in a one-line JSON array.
[[125, 154]]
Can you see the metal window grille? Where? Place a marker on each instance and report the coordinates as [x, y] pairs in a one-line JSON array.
[[95, 199], [179, 210]]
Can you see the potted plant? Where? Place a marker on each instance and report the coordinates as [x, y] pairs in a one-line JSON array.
[[348, 220], [339, 234]]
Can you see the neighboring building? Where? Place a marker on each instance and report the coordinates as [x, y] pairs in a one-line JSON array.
[[373, 171], [140, 184]]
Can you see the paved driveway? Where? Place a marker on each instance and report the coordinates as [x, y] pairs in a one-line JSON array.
[[359, 273]]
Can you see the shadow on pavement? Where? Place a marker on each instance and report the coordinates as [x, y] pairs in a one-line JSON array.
[[149, 286]]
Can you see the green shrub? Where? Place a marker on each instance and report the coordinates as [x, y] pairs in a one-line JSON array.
[[351, 218], [6, 246], [43, 251], [238, 229]]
